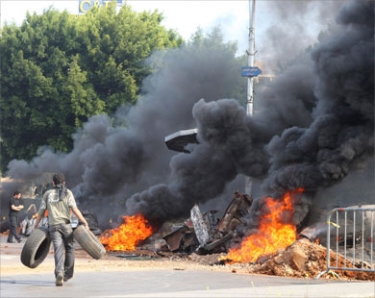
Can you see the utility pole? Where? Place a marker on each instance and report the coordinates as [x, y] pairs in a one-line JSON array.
[[250, 77], [251, 58]]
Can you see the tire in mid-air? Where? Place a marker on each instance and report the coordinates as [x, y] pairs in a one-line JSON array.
[[89, 242], [36, 248]]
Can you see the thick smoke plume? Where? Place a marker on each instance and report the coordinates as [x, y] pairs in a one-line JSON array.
[[338, 139], [294, 26], [313, 126], [340, 136]]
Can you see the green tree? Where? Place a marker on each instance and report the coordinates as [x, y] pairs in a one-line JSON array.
[[58, 69]]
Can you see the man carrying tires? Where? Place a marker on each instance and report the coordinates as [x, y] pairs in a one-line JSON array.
[[59, 201]]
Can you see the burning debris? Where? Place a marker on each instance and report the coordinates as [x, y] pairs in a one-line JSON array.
[[273, 249], [201, 233], [125, 238], [276, 230]]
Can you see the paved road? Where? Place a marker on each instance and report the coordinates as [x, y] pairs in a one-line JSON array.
[[152, 282], [174, 283]]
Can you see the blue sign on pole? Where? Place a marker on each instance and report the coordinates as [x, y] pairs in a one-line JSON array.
[[251, 71]]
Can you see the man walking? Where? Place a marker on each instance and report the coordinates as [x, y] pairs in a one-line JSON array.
[[15, 206], [60, 202]]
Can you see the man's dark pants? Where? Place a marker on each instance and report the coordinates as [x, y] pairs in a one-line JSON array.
[[13, 228], [62, 239]]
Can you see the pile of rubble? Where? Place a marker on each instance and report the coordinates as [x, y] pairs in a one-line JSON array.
[[307, 259], [302, 259]]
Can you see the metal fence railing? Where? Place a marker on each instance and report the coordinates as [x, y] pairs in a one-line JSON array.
[[350, 239]]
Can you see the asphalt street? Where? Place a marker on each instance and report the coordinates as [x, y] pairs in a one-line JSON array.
[[98, 279], [149, 282]]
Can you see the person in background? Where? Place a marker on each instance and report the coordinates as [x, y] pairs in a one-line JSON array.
[[27, 225], [15, 206], [59, 202]]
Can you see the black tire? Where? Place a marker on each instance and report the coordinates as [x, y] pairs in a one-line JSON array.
[[36, 248], [88, 241]]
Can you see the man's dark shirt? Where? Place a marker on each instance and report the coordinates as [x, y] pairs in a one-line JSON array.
[[15, 202]]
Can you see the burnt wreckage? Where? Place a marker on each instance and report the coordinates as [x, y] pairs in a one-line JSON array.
[[203, 233]]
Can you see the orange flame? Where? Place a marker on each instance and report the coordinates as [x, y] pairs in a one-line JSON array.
[[272, 233], [134, 229]]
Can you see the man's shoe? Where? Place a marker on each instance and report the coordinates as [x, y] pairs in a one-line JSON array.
[[19, 240], [66, 278], [59, 279]]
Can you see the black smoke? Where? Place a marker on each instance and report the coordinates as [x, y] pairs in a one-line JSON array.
[[340, 136], [321, 127], [312, 127]]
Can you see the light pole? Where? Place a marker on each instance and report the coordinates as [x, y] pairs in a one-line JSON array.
[[250, 60], [250, 78]]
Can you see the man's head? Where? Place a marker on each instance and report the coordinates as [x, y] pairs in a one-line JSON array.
[[17, 194], [58, 178]]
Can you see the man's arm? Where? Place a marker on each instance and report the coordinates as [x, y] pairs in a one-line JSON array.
[[41, 211], [37, 221], [17, 208], [80, 217]]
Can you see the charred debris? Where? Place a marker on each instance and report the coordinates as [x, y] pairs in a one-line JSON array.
[[201, 233], [205, 233]]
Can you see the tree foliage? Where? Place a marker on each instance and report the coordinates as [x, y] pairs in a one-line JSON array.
[[59, 69]]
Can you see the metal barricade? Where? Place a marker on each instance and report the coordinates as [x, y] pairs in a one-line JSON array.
[[352, 231]]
